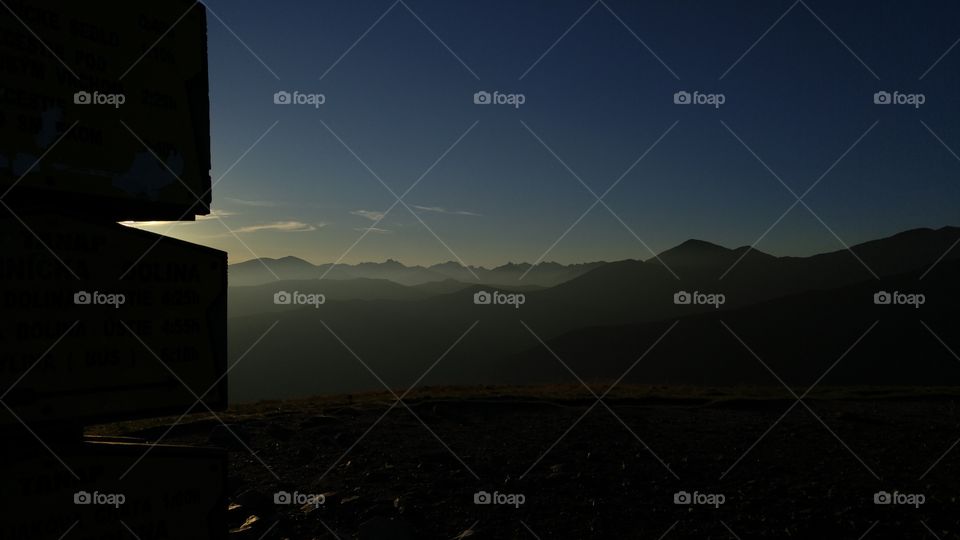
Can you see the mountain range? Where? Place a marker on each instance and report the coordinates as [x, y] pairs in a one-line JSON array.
[[797, 313], [546, 274]]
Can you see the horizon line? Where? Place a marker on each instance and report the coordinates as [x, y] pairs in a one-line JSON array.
[[599, 261]]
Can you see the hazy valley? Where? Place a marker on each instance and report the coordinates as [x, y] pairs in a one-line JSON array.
[[799, 315]]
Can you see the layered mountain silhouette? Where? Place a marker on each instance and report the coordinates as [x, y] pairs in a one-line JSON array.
[[797, 314], [262, 271], [795, 339]]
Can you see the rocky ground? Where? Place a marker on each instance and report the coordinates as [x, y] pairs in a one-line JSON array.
[[586, 469]]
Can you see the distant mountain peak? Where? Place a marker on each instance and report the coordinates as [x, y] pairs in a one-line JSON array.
[[695, 252], [512, 266], [287, 261], [386, 264], [290, 258], [448, 264], [695, 248], [696, 244]]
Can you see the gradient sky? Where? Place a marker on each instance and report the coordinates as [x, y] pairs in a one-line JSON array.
[[599, 99]]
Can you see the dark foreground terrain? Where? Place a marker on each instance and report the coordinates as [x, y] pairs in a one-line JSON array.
[[781, 468]]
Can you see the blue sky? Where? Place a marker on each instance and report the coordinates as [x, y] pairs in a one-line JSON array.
[[598, 81]]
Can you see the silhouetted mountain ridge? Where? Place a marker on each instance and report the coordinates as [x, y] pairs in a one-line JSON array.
[[798, 336], [266, 270], [795, 309]]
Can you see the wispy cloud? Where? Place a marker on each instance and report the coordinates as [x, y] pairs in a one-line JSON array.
[[372, 215], [244, 202], [441, 210], [374, 230], [281, 226]]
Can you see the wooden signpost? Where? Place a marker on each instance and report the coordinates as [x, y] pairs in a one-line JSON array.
[[104, 117]]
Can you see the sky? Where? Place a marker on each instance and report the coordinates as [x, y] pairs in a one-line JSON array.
[[485, 184]]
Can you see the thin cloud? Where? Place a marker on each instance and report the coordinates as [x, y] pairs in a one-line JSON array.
[[244, 202], [374, 230], [281, 226], [372, 215], [441, 210]]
